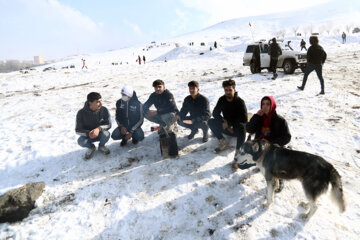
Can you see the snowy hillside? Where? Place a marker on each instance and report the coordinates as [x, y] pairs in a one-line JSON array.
[[135, 194]]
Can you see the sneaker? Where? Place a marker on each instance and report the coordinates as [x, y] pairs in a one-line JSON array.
[[222, 145], [135, 141], [89, 153], [104, 150], [123, 142], [192, 134], [301, 88]]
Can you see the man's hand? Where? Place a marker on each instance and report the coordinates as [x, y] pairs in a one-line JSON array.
[[123, 130], [152, 113], [225, 125], [260, 113], [188, 122], [94, 133], [128, 136]]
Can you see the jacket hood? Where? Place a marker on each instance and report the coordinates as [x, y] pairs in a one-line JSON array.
[[272, 104]]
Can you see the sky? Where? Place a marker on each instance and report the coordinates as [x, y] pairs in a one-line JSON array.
[[59, 28]]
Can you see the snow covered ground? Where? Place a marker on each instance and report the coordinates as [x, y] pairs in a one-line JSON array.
[[133, 193]]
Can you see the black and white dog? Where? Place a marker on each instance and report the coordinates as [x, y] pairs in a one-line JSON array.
[[276, 162]]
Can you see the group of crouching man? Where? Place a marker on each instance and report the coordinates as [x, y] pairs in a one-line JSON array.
[[230, 117]]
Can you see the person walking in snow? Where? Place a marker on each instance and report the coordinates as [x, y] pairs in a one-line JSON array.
[[268, 125], [165, 105], [343, 37], [139, 59], [129, 117], [303, 45], [215, 44], [92, 124], [198, 108], [144, 59], [316, 57], [230, 117], [274, 52], [84, 64]]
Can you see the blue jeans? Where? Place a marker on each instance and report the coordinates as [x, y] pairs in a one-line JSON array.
[[138, 134], [195, 126], [87, 142], [216, 127], [165, 119], [318, 69]]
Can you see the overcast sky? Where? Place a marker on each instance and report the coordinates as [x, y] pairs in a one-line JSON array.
[[58, 28]]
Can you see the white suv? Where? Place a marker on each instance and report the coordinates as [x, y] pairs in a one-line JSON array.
[[289, 60]]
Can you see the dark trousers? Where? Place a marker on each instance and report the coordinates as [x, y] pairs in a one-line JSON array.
[[216, 128], [195, 126], [273, 64], [137, 135], [302, 47], [318, 69]]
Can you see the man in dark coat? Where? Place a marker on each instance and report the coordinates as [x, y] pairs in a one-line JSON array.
[[129, 117], [256, 57], [303, 45], [92, 124], [343, 37], [274, 52], [316, 57], [165, 105], [198, 107], [144, 59], [230, 117]]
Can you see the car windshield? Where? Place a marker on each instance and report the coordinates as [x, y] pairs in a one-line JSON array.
[[250, 49]]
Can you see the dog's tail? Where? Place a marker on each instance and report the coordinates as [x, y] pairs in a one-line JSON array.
[[337, 194]]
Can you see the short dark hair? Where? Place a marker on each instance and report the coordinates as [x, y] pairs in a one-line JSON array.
[[274, 40], [313, 40], [158, 82], [193, 84], [229, 83], [93, 96]]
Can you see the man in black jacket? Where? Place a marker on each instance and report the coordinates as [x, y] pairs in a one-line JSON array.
[[233, 119], [303, 45], [274, 52], [92, 124], [198, 107], [316, 57], [165, 105], [129, 117]]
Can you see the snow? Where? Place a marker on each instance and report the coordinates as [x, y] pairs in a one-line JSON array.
[[135, 194]]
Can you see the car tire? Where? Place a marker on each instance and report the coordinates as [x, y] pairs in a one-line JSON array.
[[289, 66]]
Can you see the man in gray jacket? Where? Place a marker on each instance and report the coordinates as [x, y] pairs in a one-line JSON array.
[[92, 124]]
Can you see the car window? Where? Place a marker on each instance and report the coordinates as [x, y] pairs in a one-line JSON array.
[[265, 48], [250, 49]]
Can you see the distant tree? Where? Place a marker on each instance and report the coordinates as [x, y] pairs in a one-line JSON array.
[[336, 31], [295, 29], [328, 27], [348, 27]]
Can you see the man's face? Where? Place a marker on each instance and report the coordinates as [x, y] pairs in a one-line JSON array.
[[193, 91], [265, 106], [159, 89], [229, 92], [95, 105]]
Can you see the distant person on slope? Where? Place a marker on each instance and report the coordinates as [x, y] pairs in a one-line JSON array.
[[129, 117], [274, 52], [84, 64], [92, 124], [139, 59], [144, 59], [316, 57], [343, 37], [165, 105], [303, 45], [198, 108]]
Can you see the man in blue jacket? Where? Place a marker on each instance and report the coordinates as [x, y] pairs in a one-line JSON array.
[[129, 117], [165, 105], [92, 124]]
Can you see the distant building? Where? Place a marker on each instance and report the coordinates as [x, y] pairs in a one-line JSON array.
[[38, 60]]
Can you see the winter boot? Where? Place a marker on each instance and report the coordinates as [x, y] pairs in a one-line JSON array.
[[301, 88], [222, 145], [104, 150], [89, 153], [192, 134], [123, 142]]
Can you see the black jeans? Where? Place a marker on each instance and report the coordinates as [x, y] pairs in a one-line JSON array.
[[196, 125], [318, 69], [239, 133]]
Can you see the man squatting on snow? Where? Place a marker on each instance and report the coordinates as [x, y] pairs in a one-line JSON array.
[[198, 107], [129, 117], [92, 124], [165, 105]]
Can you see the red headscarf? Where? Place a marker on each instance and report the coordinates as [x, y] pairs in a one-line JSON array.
[[265, 129]]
